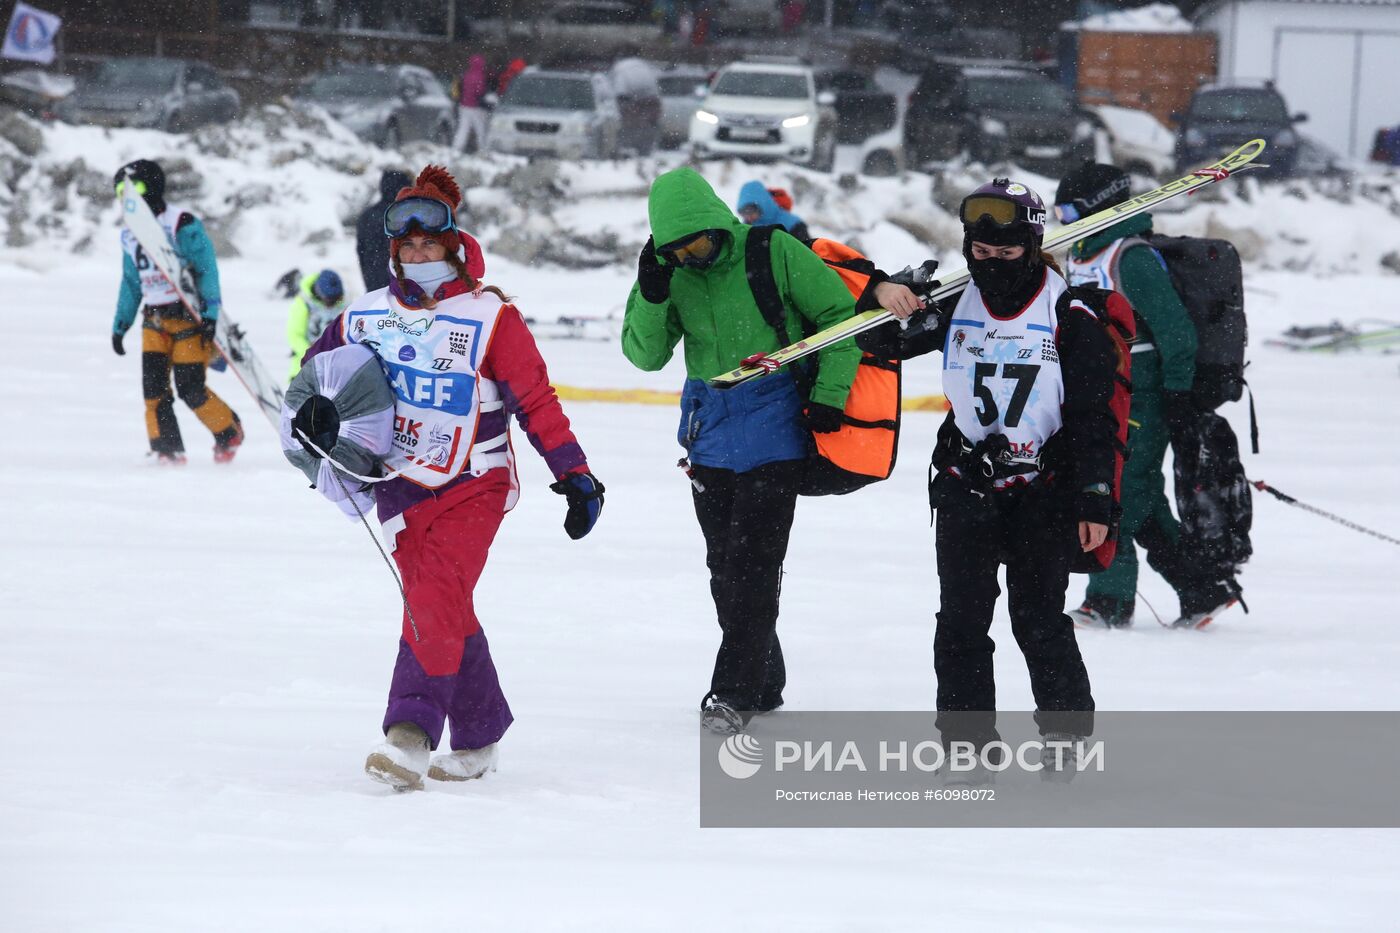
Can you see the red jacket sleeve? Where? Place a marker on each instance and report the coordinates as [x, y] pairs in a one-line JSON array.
[[514, 363]]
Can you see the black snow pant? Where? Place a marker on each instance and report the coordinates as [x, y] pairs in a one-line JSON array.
[[746, 518], [1031, 530]]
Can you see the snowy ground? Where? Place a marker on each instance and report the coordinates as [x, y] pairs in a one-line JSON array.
[[193, 665]]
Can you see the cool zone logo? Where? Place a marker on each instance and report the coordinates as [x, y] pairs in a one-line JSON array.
[[741, 756]]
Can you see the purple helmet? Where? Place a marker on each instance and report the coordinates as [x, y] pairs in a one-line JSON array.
[[1004, 213]]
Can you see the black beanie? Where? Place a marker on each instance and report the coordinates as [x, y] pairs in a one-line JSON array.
[[1093, 187], [152, 175]]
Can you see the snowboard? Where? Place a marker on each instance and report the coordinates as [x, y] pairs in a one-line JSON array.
[[955, 280], [232, 343]]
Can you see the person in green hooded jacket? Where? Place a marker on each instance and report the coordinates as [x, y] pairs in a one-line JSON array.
[[746, 446], [1164, 367]]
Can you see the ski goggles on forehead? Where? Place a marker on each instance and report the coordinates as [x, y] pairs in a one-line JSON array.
[[138, 186], [1068, 213], [427, 214]]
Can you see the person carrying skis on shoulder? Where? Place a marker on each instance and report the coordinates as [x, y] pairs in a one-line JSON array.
[[320, 300], [758, 208], [746, 446], [171, 341], [1164, 366], [461, 361], [1024, 463]]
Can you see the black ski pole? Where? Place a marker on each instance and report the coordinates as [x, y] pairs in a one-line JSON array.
[[1289, 500]]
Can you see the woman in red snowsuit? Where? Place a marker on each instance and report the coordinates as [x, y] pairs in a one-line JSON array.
[[461, 361]]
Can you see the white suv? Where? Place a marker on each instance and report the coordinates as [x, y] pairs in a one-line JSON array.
[[762, 110]]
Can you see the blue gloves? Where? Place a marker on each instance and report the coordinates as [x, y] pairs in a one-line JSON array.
[[585, 496]]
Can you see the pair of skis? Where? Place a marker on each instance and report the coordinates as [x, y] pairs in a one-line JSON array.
[[955, 280], [232, 343]]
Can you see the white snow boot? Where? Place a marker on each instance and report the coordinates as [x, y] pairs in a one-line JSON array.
[[401, 759], [464, 764]]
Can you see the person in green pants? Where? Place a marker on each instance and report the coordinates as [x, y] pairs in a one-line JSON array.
[[1164, 366]]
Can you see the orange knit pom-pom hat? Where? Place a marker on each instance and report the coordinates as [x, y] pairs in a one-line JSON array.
[[436, 182]]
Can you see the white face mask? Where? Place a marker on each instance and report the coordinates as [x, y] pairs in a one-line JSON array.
[[429, 275]]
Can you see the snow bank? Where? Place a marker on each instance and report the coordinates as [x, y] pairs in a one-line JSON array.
[[1154, 17], [286, 185]]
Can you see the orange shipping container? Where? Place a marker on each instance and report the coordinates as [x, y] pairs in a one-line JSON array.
[[1152, 71]]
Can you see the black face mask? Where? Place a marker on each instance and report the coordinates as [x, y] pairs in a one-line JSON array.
[[1002, 278]]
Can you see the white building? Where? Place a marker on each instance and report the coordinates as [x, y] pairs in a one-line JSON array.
[[1338, 61]]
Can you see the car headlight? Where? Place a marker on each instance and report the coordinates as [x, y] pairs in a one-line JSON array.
[[1083, 130], [1194, 137], [1286, 138], [704, 116], [792, 123], [992, 126]]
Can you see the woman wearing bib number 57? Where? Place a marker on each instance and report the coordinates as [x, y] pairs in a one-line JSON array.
[[461, 362], [1024, 462]]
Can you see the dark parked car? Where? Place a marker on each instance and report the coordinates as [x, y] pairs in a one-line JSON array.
[[387, 105], [162, 93], [863, 108], [996, 114], [1222, 117]]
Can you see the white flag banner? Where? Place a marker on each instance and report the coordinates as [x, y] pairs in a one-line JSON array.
[[30, 34]]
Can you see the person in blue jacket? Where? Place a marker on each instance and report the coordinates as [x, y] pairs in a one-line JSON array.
[[757, 208], [170, 338]]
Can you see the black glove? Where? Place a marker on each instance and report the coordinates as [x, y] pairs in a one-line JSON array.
[[208, 329], [823, 419], [117, 347], [1180, 413], [318, 420], [585, 496], [653, 278]]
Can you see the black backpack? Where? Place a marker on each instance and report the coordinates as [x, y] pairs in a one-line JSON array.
[[1208, 277], [1213, 497]]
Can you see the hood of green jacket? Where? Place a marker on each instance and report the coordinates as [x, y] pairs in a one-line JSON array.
[[682, 203], [1133, 226]]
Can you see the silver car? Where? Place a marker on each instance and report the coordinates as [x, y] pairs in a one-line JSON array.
[[681, 92], [387, 105], [567, 114], [161, 93]]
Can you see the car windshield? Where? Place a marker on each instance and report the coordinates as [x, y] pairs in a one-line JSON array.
[[1240, 106], [135, 74], [679, 87], [1009, 93], [344, 85], [762, 84], [554, 93]]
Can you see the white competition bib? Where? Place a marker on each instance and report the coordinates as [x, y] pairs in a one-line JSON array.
[[155, 287], [1100, 269], [1002, 376], [433, 360]]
